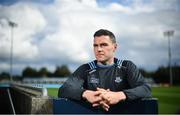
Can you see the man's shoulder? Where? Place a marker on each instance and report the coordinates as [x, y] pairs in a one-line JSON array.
[[123, 62], [129, 64], [81, 69], [127, 61], [84, 66]]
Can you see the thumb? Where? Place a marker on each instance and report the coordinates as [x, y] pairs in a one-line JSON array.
[[97, 93]]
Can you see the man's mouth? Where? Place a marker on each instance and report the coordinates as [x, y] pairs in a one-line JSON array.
[[99, 55]]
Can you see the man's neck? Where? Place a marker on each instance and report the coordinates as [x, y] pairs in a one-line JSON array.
[[110, 62], [104, 66]]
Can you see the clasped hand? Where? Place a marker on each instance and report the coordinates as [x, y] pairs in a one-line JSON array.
[[103, 97]]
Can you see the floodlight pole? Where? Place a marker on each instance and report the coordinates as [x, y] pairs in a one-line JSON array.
[[12, 25], [169, 34]]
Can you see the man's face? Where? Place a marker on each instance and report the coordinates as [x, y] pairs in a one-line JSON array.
[[104, 49]]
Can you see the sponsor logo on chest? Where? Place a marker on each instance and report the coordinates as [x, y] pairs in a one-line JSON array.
[[94, 80], [118, 80]]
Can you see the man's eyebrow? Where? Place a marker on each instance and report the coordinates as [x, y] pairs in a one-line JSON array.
[[100, 44], [103, 43]]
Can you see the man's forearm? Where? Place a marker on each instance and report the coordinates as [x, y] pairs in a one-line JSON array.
[[138, 92], [121, 96]]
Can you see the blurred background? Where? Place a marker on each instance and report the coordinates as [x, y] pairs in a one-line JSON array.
[[42, 42]]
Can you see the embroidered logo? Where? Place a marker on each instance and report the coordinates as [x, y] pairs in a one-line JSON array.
[[94, 80], [118, 80]]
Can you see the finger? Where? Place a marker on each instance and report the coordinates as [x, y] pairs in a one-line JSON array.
[[107, 100], [97, 99], [95, 104], [96, 93], [104, 96], [100, 89], [105, 105], [106, 109], [108, 89]]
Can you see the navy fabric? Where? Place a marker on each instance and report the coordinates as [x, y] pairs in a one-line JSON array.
[[142, 106]]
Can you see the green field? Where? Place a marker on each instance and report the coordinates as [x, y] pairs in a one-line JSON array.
[[53, 92], [169, 98]]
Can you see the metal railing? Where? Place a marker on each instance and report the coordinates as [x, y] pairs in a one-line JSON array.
[[11, 102], [32, 90]]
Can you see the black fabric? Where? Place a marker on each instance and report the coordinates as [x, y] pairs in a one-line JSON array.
[[139, 106], [126, 78]]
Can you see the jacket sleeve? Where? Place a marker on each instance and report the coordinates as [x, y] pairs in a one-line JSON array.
[[73, 87], [138, 87]]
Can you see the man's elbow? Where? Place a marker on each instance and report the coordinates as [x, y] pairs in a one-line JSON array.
[[148, 91]]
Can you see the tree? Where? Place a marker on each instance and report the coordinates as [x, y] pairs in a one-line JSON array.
[[145, 73], [161, 75], [4, 75], [62, 71], [29, 72], [43, 72]]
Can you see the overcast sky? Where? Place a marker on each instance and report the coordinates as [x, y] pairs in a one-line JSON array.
[[55, 32]]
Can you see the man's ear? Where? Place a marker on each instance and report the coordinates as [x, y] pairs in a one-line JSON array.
[[115, 47]]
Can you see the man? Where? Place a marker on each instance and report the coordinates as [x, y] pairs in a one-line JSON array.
[[107, 80]]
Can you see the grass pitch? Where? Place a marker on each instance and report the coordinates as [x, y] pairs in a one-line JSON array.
[[169, 99]]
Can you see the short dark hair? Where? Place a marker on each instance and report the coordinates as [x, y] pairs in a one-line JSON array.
[[105, 33]]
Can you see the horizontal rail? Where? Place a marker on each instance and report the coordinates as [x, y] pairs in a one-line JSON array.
[[32, 90]]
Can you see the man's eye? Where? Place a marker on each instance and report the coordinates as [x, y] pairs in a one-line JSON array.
[[95, 45], [104, 45]]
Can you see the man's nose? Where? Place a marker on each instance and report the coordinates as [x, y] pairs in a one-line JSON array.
[[99, 48]]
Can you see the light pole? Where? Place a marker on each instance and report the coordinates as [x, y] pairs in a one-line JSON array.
[[169, 34], [12, 25]]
